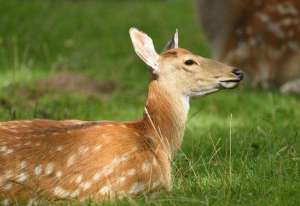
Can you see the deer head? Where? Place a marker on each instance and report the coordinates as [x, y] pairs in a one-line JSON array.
[[181, 71]]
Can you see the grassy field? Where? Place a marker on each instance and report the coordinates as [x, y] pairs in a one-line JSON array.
[[241, 147]]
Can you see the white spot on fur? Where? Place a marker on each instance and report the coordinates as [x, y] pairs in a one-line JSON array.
[[286, 9], [8, 186], [131, 172], [49, 168], [58, 174], [155, 184], [3, 148], [86, 185], [83, 149], [8, 174], [75, 193], [121, 179], [21, 177], [287, 22], [134, 149], [264, 18], [276, 30], [38, 170], [252, 42], [97, 147], [107, 170], [78, 179], [59, 148], [71, 160], [136, 188], [124, 157], [105, 190], [146, 166], [9, 151], [154, 162], [23, 165], [115, 161], [60, 192], [97, 176]]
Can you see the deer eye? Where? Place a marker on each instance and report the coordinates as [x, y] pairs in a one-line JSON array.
[[189, 62]]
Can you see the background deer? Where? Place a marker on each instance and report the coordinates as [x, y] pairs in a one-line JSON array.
[[260, 36], [72, 159]]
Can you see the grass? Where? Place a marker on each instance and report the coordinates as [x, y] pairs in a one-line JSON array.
[[241, 147]]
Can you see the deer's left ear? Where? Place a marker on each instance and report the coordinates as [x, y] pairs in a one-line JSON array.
[[173, 42], [144, 48]]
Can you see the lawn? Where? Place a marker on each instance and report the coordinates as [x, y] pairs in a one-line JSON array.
[[241, 146]]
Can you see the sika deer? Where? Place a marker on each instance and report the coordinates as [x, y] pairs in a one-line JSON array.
[[262, 36], [46, 159]]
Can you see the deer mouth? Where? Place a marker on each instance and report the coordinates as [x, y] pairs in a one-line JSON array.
[[228, 84]]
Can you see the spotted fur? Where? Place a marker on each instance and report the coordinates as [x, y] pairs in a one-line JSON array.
[[260, 36]]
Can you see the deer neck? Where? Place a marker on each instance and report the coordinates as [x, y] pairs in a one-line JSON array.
[[165, 115]]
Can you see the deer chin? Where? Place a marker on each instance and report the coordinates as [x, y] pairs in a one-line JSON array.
[[228, 84], [204, 91]]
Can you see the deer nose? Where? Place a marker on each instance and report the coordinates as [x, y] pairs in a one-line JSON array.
[[238, 73]]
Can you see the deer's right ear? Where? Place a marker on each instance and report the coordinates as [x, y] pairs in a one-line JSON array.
[[144, 48]]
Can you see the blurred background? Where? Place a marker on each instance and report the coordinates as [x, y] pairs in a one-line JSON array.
[[73, 59], [47, 45], [262, 37]]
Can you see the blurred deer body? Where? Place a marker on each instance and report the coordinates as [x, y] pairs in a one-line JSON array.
[[262, 37], [72, 159]]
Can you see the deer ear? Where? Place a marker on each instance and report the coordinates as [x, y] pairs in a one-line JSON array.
[[144, 48], [173, 42]]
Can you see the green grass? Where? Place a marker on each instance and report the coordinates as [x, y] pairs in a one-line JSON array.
[[241, 146]]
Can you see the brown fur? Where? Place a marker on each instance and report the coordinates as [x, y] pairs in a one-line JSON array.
[[156, 137], [44, 142]]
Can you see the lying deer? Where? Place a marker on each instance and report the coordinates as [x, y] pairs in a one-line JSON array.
[[101, 160], [262, 36]]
